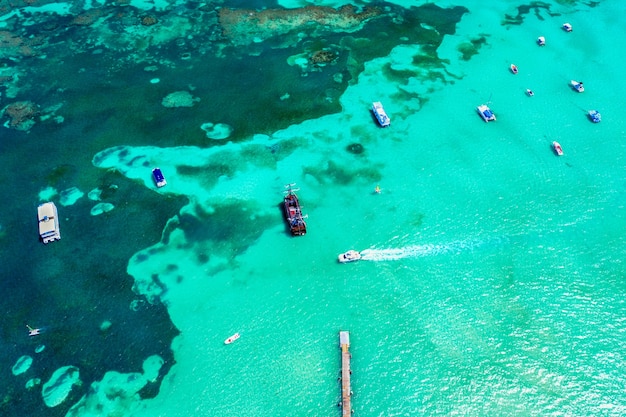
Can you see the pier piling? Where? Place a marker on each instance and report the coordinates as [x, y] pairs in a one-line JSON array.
[[346, 392]]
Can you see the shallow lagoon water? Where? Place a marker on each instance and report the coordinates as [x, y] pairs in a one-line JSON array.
[[493, 281]]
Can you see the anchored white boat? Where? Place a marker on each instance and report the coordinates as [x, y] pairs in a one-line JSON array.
[[380, 114], [48, 222], [231, 339], [567, 27], [557, 148], [486, 113], [349, 256], [529, 92], [541, 41], [577, 85]]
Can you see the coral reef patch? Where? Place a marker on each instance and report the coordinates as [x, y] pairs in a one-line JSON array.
[[21, 114], [242, 26]]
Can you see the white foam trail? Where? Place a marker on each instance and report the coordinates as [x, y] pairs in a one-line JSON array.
[[415, 251]]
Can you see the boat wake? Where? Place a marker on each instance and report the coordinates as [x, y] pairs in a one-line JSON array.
[[416, 251]]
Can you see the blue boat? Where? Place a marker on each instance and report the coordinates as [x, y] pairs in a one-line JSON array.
[[158, 177], [485, 112], [595, 116]]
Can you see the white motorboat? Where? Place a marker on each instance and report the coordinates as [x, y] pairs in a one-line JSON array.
[[349, 256], [567, 27], [529, 92], [557, 148], [577, 85], [486, 113], [231, 339], [379, 112], [541, 41], [48, 216]]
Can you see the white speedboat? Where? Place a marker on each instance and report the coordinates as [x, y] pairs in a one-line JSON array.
[[577, 85], [567, 27], [557, 148], [529, 92], [514, 69], [349, 256], [231, 339], [595, 116], [486, 113], [48, 216], [379, 112], [541, 41]]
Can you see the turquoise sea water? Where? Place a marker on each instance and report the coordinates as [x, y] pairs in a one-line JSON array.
[[492, 281]]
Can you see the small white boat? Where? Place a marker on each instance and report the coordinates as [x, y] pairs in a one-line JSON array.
[[486, 113], [381, 116], [48, 216], [349, 256], [32, 331], [577, 85], [567, 27], [541, 41], [595, 116], [557, 148], [514, 68], [231, 339], [529, 92]]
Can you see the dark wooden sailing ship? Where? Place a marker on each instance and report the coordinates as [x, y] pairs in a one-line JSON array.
[[293, 212]]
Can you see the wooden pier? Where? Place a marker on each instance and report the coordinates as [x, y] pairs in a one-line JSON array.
[[346, 392]]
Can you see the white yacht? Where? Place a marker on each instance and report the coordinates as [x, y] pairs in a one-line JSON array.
[[48, 222], [541, 41], [567, 27], [380, 114]]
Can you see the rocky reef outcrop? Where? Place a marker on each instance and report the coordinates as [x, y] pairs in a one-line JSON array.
[[242, 26], [21, 114]]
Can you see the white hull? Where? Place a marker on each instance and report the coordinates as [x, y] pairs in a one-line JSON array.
[[577, 85], [485, 112], [381, 116], [49, 229], [349, 256]]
